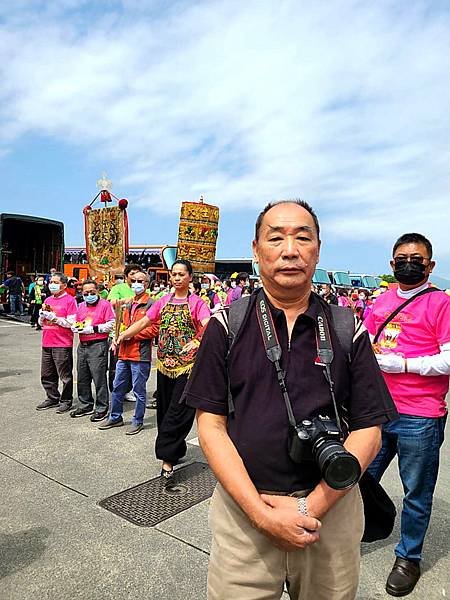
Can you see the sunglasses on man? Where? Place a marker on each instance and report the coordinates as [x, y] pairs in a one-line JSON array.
[[418, 260]]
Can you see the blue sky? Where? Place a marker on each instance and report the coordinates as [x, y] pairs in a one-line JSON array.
[[342, 103]]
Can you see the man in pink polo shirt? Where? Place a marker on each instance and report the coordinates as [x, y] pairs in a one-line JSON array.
[[56, 318], [94, 320], [410, 328]]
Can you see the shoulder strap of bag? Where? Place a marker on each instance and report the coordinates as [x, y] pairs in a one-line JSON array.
[[231, 317], [344, 326], [399, 309], [236, 313]]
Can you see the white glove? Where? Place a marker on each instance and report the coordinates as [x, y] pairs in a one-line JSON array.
[[88, 329], [47, 314], [391, 363]]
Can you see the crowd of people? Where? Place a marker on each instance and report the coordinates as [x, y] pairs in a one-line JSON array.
[[277, 517], [115, 333]]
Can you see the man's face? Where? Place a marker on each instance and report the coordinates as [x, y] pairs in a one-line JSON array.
[[131, 275], [414, 252], [288, 248], [139, 277], [89, 289], [54, 279]]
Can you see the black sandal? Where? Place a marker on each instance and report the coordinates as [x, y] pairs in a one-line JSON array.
[[166, 474]]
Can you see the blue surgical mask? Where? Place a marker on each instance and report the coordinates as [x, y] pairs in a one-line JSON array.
[[54, 287], [137, 287], [205, 286], [119, 280], [91, 298]]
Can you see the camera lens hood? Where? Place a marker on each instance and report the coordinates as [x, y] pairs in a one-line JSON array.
[[340, 469]]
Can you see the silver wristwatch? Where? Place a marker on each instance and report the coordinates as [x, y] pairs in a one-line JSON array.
[[301, 505]]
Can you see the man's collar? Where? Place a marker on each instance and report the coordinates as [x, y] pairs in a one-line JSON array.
[[405, 294], [314, 306]]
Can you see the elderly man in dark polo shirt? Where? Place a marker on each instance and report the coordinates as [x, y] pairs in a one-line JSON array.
[[263, 534]]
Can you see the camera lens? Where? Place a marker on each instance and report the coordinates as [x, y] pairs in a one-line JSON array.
[[340, 469]]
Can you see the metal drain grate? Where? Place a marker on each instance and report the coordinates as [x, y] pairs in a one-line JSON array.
[[149, 503]]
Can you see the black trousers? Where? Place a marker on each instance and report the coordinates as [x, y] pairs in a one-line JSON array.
[[57, 363], [35, 308], [174, 419], [92, 364]]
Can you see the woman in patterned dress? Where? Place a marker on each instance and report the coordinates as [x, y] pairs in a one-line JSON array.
[[182, 317]]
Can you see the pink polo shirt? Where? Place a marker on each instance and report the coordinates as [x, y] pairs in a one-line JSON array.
[[53, 335], [199, 309], [98, 314], [418, 330]]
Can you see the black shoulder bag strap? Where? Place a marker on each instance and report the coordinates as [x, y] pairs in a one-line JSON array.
[[399, 309], [236, 314], [344, 326]]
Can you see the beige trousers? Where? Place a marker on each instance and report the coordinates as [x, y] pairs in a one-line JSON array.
[[245, 565]]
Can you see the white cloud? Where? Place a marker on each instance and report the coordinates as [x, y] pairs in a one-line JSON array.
[[343, 103]]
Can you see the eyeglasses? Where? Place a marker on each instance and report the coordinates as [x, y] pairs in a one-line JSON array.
[[417, 260], [137, 280]]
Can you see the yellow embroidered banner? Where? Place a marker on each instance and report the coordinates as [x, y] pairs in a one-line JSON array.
[[106, 232], [197, 235]]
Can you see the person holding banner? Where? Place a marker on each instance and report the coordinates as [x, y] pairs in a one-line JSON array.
[[135, 354]]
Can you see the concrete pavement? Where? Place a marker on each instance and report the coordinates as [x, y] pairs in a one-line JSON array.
[[56, 542]]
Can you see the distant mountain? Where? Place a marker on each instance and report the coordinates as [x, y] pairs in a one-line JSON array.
[[440, 282]]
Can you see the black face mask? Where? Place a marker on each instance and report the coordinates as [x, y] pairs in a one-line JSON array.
[[409, 273]]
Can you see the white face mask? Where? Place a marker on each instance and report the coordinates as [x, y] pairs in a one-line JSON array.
[[137, 287], [361, 297], [54, 287], [233, 284], [40, 282], [205, 286], [119, 280]]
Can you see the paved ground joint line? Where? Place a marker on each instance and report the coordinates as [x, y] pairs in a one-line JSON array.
[[44, 475], [171, 535]]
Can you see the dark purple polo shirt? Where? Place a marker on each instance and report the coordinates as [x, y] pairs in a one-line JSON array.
[[259, 427]]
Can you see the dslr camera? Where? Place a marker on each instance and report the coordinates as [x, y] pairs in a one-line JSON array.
[[319, 440]]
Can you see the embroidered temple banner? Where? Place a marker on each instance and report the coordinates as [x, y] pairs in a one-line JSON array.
[[197, 235], [106, 233]]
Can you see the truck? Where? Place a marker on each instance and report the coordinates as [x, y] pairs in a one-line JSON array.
[[30, 245]]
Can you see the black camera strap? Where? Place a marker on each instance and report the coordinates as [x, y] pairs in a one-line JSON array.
[[273, 351]]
